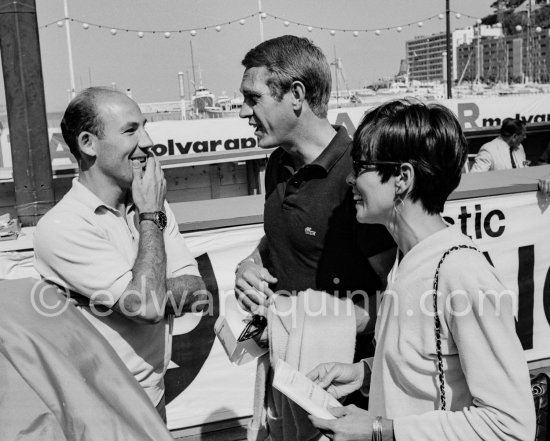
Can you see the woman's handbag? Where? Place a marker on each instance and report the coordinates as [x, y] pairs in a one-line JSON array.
[[539, 382]]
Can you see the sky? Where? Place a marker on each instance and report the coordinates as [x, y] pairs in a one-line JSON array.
[[149, 66]]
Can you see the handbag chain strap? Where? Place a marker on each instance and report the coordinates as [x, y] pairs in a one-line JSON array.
[[437, 323]]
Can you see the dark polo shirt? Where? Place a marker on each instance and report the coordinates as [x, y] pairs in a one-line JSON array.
[[313, 238]]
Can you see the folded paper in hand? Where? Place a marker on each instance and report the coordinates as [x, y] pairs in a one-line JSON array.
[[304, 392]]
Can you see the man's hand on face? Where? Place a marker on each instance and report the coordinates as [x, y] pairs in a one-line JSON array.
[[149, 186]]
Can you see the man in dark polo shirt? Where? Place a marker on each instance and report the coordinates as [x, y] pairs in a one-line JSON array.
[[312, 239]]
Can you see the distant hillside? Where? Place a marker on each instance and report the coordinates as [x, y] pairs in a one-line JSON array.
[[540, 15]]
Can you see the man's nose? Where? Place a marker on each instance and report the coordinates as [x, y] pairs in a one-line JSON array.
[[246, 111], [144, 142]]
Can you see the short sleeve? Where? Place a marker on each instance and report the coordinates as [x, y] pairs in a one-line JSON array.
[[179, 260], [77, 255]]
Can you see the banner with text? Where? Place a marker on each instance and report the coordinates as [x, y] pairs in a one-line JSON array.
[[511, 230], [203, 386], [180, 139]]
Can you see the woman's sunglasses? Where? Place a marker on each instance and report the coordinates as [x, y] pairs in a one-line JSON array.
[[360, 166]]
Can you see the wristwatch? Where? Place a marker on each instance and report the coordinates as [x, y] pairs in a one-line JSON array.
[[158, 217]]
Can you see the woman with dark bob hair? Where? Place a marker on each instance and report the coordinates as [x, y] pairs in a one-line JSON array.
[[459, 373]]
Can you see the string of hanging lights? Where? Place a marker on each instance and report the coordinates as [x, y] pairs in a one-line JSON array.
[[114, 30], [356, 32], [142, 32]]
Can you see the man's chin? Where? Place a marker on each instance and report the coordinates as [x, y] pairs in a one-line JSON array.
[[263, 143]]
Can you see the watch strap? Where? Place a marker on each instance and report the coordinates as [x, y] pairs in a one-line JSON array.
[[158, 217]]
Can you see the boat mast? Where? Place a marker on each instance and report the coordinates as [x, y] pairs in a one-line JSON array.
[[261, 22], [72, 92], [200, 78], [529, 61], [193, 66], [478, 54], [335, 64], [449, 51]]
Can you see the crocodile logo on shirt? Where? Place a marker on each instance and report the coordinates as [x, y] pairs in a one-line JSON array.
[[310, 232]]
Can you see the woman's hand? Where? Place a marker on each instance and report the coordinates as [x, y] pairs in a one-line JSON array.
[[339, 379], [351, 424]]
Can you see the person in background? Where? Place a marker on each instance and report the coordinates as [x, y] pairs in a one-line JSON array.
[[113, 241], [505, 151], [312, 239], [447, 366]]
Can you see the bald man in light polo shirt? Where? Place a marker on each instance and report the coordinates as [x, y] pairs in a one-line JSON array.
[[113, 240]]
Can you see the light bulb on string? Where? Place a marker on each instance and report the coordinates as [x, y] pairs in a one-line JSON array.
[[538, 29], [519, 28], [140, 34], [287, 23]]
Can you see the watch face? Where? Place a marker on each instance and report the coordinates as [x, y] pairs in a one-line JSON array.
[[161, 220]]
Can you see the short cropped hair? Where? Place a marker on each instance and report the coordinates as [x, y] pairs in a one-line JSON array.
[[511, 126], [288, 59], [82, 115], [427, 136]]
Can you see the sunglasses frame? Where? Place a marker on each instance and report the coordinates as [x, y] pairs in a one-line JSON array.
[[361, 166], [253, 328]]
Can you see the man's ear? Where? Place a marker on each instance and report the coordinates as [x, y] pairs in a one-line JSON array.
[[298, 91], [405, 180], [87, 143]]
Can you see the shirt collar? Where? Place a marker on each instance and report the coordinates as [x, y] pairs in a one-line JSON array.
[[334, 151], [90, 200], [329, 156]]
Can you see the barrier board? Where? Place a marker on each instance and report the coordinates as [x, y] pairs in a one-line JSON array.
[[512, 230], [202, 386], [181, 139]]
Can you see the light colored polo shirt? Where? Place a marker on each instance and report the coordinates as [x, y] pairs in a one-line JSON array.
[[91, 248]]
